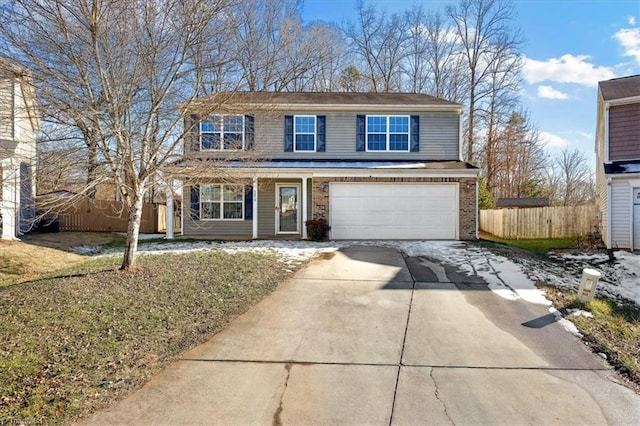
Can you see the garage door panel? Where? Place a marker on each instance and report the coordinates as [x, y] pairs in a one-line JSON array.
[[393, 211]]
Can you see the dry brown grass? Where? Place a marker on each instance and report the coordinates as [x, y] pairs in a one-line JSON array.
[[74, 343], [38, 255], [20, 261]]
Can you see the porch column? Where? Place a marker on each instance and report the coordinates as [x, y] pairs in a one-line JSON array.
[[254, 218], [169, 213], [304, 207], [9, 208]]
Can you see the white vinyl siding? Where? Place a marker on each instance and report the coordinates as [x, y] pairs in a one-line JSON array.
[[620, 214]]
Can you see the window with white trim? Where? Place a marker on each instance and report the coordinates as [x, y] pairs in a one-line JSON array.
[[221, 202], [222, 132], [304, 133], [387, 133]]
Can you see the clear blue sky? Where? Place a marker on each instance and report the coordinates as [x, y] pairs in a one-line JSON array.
[[570, 46]]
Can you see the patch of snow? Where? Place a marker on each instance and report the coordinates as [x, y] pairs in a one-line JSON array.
[[565, 323], [144, 236], [512, 279], [86, 250], [580, 313]]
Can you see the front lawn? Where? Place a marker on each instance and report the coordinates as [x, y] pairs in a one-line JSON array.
[[539, 247], [74, 343], [612, 330]]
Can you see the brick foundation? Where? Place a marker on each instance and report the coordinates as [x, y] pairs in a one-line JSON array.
[[467, 204]]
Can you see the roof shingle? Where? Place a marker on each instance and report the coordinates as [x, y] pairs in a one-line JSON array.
[[618, 88]]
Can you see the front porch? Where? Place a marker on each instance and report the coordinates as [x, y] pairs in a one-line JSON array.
[[270, 208]]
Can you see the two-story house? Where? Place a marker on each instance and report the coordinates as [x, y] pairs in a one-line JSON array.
[[18, 125], [618, 161], [374, 165]]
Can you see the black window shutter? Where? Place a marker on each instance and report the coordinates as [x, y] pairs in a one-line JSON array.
[[360, 133], [288, 133], [195, 202], [248, 132], [415, 133], [321, 130], [248, 202], [193, 123]]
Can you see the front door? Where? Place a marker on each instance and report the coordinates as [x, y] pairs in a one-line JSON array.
[[287, 208]]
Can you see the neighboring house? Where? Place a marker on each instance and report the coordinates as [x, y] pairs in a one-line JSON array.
[[18, 124], [374, 165], [618, 161], [522, 202]]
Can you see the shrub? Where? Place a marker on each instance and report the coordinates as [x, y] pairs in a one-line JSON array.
[[317, 229]]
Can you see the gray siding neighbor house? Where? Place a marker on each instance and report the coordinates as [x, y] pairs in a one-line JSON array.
[[374, 165], [618, 161]]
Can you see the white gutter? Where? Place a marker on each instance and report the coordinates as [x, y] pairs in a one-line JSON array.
[[297, 172]]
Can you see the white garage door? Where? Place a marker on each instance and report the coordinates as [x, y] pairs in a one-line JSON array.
[[393, 211]]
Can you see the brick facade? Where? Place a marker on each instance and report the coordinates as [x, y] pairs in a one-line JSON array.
[[467, 204]]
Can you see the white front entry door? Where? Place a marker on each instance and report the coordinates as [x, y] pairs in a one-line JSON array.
[[287, 208], [636, 218], [393, 211]]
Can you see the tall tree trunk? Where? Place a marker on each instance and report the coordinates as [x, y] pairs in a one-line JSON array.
[[471, 126], [92, 167], [133, 230]]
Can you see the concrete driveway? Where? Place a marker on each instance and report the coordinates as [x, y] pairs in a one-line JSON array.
[[365, 336]]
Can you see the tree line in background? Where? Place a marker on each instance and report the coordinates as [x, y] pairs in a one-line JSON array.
[[467, 53], [110, 75]]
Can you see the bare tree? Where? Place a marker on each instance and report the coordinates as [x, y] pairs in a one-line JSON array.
[[516, 163], [575, 178], [484, 29], [445, 63], [415, 65], [120, 68], [263, 29], [380, 42]]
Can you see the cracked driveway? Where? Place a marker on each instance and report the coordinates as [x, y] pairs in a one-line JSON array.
[[369, 337]]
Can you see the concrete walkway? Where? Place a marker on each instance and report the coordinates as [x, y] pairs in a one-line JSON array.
[[354, 339]]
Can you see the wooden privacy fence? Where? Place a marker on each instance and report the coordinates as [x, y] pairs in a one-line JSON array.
[[539, 222], [108, 216]]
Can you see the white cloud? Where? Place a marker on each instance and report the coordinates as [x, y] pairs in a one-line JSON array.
[[566, 69], [632, 21], [586, 135], [629, 38], [551, 140], [548, 92]]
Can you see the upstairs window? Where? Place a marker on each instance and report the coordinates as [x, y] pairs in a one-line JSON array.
[[387, 133], [304, 130], [222, 202], [222, 133], [305, 133]]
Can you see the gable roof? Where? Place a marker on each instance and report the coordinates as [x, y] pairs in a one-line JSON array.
[[325, 100], [619, 88]]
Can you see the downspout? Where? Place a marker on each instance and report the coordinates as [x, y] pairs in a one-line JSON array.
[[460, 136], [609, 213], [477, 210], [606, 132]]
